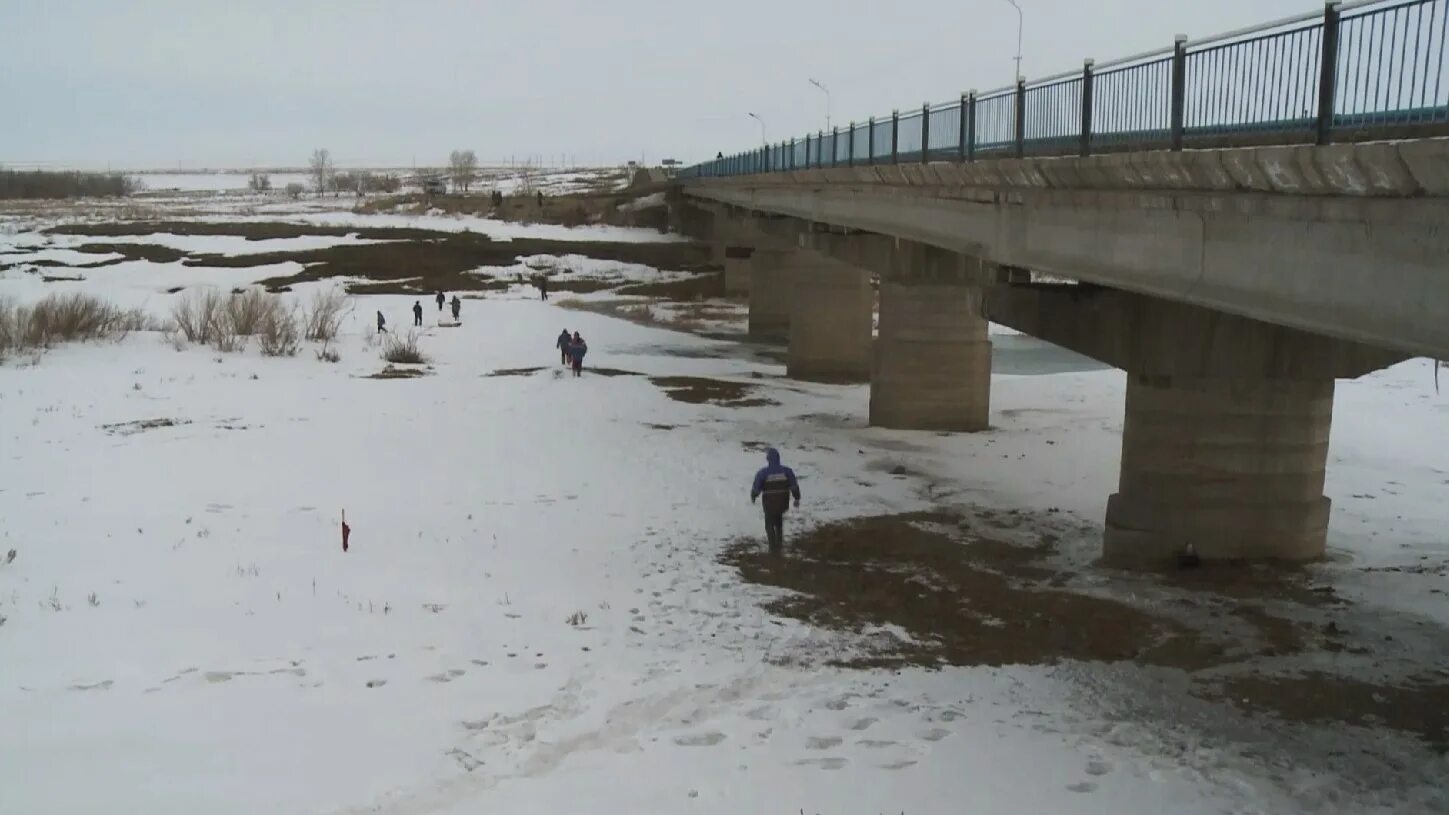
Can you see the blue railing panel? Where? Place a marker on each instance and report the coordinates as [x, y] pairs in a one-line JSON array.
[[1376, 71]]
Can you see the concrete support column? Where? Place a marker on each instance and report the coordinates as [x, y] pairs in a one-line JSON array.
[[932, 368], [772, 291], [737, 270], [831, 319], [1234, 466]]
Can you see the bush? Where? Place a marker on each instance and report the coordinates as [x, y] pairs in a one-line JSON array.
[[246, 311], [295, 190], [278, 334], [323, 319], [403, 348], [66, 318], [260, 182], [198, 314], [328, 355]]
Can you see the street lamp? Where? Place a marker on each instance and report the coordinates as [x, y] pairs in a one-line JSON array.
[[1018, 38], [825, 91], [763, 140]]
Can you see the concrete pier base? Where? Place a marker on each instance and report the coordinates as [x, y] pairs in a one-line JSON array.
[[831, 320], [1233, 466], [737, 270], [932, 365], [772, 291]]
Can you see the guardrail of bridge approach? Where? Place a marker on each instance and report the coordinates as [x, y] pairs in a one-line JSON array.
[[1364, 70]]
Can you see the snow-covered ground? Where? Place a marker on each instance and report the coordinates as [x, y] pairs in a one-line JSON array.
[[182, 632]]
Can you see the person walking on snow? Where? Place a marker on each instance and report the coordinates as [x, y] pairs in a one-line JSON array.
[[441, 299], [777, 484], [381, 323], [457, 307], [577, 349], [417, 312], [563, 343], [543, 286]]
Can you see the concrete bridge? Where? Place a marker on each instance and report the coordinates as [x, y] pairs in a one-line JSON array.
[[1234, 284]]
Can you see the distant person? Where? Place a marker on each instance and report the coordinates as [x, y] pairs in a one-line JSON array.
[[565, 340], [417, 312], [543, 287], [457, 307], [540, 199], [719, 156], [577, 349], [441, 300], [381, 323], [777, 483]]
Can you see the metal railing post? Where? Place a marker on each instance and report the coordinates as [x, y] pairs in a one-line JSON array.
[[850, 147], [1087, 108], [1179, 88], [820, 149], [1020, 118], [961, 129], [834, 147], [925, 132], [1328, 72], [971, 127], [895, 137], [870, 140]]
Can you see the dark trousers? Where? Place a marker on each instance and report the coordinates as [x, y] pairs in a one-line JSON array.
[[417, 319], [775, 530]]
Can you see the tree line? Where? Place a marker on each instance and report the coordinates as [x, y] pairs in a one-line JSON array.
[[64, 184]]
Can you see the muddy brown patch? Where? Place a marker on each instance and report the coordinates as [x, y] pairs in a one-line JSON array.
[[141, 426], [1417, 705], [394, 372], [961, 605], [697, 390], [514, 372]]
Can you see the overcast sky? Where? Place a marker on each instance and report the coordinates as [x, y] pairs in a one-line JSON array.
[[148, 83]]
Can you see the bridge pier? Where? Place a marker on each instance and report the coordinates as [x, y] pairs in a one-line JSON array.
[[1225, 435], [737, 270], [772, 292], [1234, 467], [932, 366], [831, 319]]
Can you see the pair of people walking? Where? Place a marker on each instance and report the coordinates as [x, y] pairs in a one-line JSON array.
[[456, 304], [572, 349]]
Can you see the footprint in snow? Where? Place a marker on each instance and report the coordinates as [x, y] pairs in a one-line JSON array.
[[700, 739], [822, 742], [102, 685], [1082, 786], [862, 724], [876, 744], [897, 765], [823, 763], [1098, 767], [935, 734]]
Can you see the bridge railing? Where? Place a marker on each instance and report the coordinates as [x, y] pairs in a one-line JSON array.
[[1371, 69]]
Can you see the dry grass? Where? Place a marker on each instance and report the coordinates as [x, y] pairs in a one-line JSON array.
[[403, 349], [59, 318], [278, 334], [323, 318], [198, 313], [246, 311]]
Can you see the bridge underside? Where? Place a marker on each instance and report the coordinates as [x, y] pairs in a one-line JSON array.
[[1234, 293]]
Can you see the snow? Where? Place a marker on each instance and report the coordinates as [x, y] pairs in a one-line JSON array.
[[234, 660], [214, 182]]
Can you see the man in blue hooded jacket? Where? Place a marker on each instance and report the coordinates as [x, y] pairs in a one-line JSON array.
[[777, 483]]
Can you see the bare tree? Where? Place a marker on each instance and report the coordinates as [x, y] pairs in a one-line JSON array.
[[463, 165], [260, 182], [321, 168], [295, 190]]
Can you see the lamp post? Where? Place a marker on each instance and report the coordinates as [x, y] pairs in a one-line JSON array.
[[825, 91], [756, 117], [1018, 37]]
